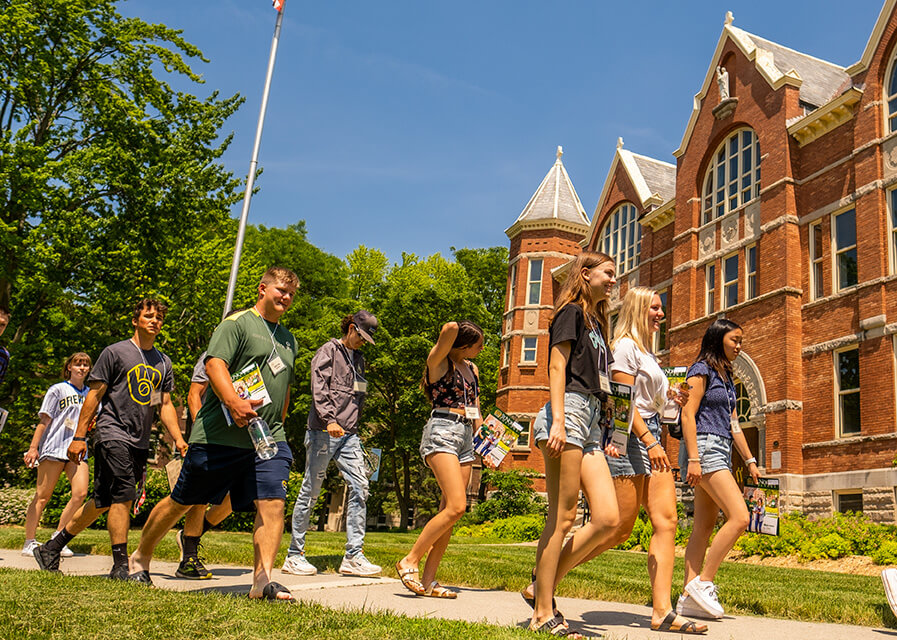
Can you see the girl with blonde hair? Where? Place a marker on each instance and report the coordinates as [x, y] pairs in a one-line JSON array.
[[568, 430]]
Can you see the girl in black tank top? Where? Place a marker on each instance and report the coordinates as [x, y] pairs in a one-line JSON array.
[[451, 383]]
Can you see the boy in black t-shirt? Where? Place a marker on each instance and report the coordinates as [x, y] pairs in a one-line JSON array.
[[131, 378]]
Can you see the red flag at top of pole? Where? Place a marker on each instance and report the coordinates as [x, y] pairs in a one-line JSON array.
[[278, 4]]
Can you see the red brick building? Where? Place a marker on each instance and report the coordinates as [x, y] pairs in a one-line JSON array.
[[780, 213]]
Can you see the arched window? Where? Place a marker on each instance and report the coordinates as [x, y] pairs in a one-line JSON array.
[[892, 98], [621, 238], [733, 178]]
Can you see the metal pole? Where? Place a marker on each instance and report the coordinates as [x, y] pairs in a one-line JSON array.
[[253, 164]]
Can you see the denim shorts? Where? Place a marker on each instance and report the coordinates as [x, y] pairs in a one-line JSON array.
[[581, 421], [442, 435], [714, 451], [635, 462]]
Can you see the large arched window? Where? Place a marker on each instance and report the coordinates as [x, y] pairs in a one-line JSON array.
[[733, 178], [892, 98], [621, 238]]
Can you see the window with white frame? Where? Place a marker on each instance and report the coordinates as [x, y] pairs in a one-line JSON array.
[[534, 288], [847, 388], [528, 350], [816, 286], [506, 358], [892, 199], [892, 98], [660, 337], [733, 177], [621, 238], [730, 281], [750, 272], [512, 285], [845, 232], [710, 286]]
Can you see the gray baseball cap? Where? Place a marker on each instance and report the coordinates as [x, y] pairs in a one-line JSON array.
[[366, 324]]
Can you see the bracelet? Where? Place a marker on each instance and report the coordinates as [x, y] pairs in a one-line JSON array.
[[79, 439], [694, 459], [750, 461], [652, 445]]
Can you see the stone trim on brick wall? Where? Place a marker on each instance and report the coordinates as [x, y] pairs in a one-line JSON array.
[[840, 442], [850, 290], [792, 291], [876, 331], [782, 405]]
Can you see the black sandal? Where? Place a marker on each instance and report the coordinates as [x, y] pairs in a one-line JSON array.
[[690, 627], [272, 589], [142, 577], [531, 600], [557, 627]]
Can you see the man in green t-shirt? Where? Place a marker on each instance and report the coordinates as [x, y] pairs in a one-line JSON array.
[[250, 346]]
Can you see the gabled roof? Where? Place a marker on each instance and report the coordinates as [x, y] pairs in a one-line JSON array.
[[555, 201], [874, 38], [819, 81], [653, 180]]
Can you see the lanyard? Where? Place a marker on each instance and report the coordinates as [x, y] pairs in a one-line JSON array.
[[349, 361], [464, 383], [140, 351], [602, 346], [270, 333]]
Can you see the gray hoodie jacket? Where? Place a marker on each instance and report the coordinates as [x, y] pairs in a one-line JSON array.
[[332, 387]]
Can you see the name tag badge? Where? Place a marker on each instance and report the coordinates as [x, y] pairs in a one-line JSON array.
[[604, 382], [69, 424], [360, 386], [472, 413], [155, 397], [276, 365]]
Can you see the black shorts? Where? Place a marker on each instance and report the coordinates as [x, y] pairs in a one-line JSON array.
[[210, 471], [117, 470]]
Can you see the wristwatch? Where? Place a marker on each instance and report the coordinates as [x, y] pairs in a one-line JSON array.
[[79, 439]]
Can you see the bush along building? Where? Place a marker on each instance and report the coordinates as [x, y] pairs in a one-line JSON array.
[[780, 213]]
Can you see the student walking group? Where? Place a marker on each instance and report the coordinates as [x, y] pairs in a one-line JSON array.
[[223, 472]]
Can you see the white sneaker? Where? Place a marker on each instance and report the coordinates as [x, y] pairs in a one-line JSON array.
[[298, 566], [686, 607], [29, 547], [889, 580], [358, 565], [704, 595], [66, 552]]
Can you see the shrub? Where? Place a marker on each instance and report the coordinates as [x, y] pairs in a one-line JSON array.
[[14, 504], [886, 553], [519, 528], [512, 495], [830, 545]]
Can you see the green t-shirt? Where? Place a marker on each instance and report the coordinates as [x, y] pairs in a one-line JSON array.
[[243, 339]]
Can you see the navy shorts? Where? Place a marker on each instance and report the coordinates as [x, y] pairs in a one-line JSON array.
[[210, 471], [117, 470]]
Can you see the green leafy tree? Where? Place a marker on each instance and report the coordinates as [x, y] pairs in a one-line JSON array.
[[111, 188]]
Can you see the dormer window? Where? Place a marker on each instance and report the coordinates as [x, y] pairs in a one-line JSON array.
[[621, 238]]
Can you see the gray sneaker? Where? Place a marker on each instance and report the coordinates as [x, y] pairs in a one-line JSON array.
[[358, 565], [298, 566]]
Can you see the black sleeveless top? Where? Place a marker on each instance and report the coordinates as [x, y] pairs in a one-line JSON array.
[[452, 388]]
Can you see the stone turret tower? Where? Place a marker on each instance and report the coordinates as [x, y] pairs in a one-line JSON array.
[[545, 236]]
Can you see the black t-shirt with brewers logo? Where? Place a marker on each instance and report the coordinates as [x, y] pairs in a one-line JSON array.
[[130, 375], [589, 353]]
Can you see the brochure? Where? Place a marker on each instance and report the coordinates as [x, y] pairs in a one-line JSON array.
[[372, 462], [619, 408], [495, 437], [173, 470], [249, 385], [4, 414], [762, 501], [676, 376]]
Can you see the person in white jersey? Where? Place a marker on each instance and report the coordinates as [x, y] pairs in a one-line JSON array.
[[52, 436]]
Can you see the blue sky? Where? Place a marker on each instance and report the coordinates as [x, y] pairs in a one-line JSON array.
[[416, 126]]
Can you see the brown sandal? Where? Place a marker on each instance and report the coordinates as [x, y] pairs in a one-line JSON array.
[[414, 586], [688, 627], [436, 590]]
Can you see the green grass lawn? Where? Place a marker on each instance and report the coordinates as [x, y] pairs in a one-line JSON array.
[[40, 606], [619, 576]]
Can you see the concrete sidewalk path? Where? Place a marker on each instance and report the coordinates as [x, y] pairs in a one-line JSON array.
[[591, 617]]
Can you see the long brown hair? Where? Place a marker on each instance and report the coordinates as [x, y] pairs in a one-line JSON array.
[[712, 350], [575, 290], [75, 358]]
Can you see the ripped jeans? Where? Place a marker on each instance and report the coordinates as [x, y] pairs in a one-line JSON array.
[[320, 448]]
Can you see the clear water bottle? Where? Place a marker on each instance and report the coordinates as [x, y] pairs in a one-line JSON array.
[[264, 443]]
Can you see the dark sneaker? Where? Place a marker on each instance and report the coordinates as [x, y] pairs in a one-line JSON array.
[[119, 573], [141, 577], [47, 560], [192, 569]]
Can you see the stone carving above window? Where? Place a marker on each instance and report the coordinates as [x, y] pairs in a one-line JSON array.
[[728, 231], [707, 242]]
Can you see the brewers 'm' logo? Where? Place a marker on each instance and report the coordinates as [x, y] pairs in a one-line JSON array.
[[142, 380]]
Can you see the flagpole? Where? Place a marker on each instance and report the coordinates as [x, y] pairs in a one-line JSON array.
[[253, 164]]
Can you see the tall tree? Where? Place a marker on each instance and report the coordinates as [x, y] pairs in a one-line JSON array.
[[111, 185]]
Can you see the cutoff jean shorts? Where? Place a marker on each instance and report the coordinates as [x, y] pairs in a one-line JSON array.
[[635, 462], [714, 451], [443, 435], [582, 422]]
